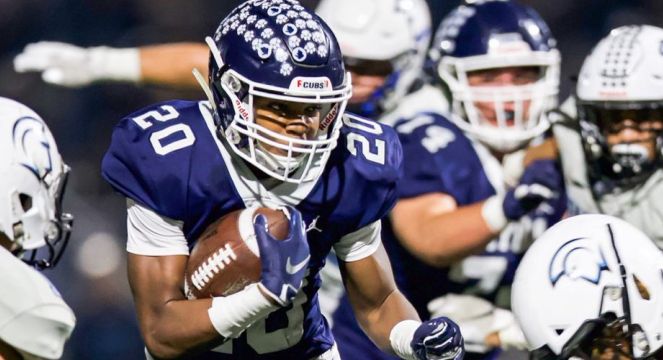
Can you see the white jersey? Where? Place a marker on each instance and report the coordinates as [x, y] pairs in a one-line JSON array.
[[33, 317], [641, 206]]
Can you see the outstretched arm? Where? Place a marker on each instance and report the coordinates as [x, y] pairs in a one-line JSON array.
[[171, 64], [439, 231], [72, 66]]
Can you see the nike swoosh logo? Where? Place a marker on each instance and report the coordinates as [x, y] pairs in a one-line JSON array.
[[293, 269]]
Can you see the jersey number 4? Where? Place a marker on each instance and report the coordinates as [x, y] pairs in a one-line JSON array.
[[171, 138]]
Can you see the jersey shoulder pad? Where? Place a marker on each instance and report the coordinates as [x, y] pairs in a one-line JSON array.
[[371, 149], [433, 134], [149, 158], [439, 157]]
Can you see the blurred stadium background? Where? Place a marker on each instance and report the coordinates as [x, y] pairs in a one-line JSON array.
[[92, 275]]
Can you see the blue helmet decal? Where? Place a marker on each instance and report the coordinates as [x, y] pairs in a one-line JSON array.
[[472, 29], [577, 259], [29, 130]]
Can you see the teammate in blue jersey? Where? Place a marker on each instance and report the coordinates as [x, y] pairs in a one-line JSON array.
[[274, 133], [467, 207]]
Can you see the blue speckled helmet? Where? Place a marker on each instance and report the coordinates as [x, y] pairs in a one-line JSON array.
[[279, 50]]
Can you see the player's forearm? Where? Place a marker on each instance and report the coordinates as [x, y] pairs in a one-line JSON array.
[[179, 328], [171, 64], [378, 322], [445, 238]]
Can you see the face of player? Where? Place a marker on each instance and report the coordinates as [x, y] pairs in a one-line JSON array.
[[7, 352], [631, 131], [497, 77], [6, 243], [291, 119], [612, 344], [367, 77]]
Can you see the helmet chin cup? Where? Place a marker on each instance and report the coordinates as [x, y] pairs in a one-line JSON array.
[[279, 163]]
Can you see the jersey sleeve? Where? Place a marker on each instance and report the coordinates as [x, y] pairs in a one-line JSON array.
[[437, 157], [375, 163], [359, 244], [148, 159], [150, 234]]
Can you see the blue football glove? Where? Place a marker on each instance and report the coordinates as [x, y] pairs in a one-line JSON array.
[[284, 262], [541, 181], [438, 339]]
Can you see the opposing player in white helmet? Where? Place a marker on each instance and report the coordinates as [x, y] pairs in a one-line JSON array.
[[34, 320], [384, 46], [591, 288], [612, 154]]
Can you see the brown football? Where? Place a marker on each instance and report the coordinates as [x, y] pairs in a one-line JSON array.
[[225, 258]]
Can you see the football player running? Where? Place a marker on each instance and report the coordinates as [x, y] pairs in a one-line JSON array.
[[590, 288], [34, 320], [468, 207], [384, 47], [274, 133], [611, 147]]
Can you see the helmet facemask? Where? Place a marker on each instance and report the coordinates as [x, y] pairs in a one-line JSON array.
[[520, 109], [291, 159], [59, 227], [282, 52], [626, 163], [388, 39], [397, 78]]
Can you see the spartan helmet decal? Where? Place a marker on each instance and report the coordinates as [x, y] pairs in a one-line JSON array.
[[578, 259], [599, 281], [29, 134]]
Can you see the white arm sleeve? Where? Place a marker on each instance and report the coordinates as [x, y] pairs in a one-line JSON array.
[[151, 234], [359, 244]]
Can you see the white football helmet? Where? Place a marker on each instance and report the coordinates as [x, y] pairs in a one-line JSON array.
[[493, 34], [587, 276], [397, 31], [32, 181], [622, 78]]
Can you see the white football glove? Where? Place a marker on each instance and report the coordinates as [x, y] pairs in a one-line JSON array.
[[72, 66], [478, 318]]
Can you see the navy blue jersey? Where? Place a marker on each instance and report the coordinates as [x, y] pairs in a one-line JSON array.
[[169, 159], [439, 158]]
